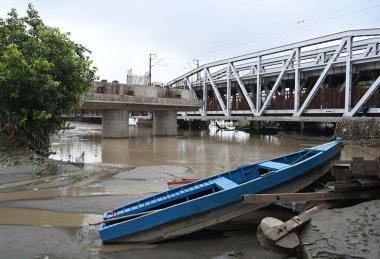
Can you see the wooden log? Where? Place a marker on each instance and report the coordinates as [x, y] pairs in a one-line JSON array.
[[316, 196]]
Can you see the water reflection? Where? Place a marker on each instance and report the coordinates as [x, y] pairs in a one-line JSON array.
[[69, 144], [205, 152]]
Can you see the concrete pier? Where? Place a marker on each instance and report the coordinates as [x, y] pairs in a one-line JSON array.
[[116, 99], [115, 123], [165, 123]]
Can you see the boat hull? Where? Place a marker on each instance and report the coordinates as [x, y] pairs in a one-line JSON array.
[[221, 206], [219, 215]]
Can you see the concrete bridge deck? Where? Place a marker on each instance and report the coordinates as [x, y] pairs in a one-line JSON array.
[[117, 100], [138, 103]]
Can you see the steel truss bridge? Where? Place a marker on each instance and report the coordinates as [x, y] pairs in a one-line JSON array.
[[323, 79]]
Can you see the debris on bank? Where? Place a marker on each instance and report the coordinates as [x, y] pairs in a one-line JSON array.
[[358, 129], [350, 231]]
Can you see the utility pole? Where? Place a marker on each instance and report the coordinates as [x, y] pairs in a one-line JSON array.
[[150, 68], [196, 61]]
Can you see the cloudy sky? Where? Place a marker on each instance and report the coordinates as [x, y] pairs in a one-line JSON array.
[[122, 34]]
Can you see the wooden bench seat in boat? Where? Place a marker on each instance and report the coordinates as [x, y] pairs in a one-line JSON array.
[[272, 166], [224, 183]]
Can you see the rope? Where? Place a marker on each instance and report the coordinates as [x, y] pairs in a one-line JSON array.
[[311, 149]]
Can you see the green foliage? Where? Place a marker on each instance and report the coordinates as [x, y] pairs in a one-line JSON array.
[[42, 75]]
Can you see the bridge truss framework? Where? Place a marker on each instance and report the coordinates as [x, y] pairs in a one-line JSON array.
[[326, 78]]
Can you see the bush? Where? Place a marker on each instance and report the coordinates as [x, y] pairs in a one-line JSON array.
[[42, 75]]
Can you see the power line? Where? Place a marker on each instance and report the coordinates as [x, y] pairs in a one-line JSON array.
[[292, 28]]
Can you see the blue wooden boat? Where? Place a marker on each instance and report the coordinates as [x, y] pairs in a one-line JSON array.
[[215, 199]]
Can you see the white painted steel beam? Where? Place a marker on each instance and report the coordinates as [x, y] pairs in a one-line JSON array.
[[269, 65], [332, 37], [258, 84], [306, 54], [370, 50], [188, 83], [216, 92], [277, 83], [243, 89], [297, 79], [348, 82], [228, 95], [321, 78], [204, 110], [371, 90]]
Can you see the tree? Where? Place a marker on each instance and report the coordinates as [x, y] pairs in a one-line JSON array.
[[42, 75]]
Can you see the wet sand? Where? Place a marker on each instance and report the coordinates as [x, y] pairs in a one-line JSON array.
[[39, 219], [352, 232]]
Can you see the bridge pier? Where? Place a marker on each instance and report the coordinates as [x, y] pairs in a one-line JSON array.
[[165, 123], [115, 123]]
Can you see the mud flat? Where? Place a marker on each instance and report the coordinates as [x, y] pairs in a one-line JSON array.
[[49, 216], [352, 232]]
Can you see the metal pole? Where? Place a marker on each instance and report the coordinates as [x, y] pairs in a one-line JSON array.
[[197, 64], [150, 68]]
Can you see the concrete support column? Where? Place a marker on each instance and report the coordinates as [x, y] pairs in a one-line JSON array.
[[165, 123], [115, 123]]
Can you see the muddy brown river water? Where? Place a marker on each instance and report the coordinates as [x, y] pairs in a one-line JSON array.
[[205, 152], [58, 215]]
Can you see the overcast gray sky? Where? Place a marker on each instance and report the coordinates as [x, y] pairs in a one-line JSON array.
[[121, 34]]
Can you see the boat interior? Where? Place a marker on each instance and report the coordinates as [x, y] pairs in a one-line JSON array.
[[217, 183]]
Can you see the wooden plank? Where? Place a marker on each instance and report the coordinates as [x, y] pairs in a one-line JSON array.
[[280, 230], [361, 167], [270, 198]]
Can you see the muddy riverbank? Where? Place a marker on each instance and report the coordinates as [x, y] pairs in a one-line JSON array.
[[50, 215]]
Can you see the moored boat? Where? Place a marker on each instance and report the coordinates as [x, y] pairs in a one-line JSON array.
[[215, 199]]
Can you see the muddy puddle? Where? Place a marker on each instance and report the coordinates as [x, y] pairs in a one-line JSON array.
[[37, 217], [80, 192], [52, 193]]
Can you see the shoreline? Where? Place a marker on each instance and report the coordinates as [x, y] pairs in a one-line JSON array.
[[36, 206]]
